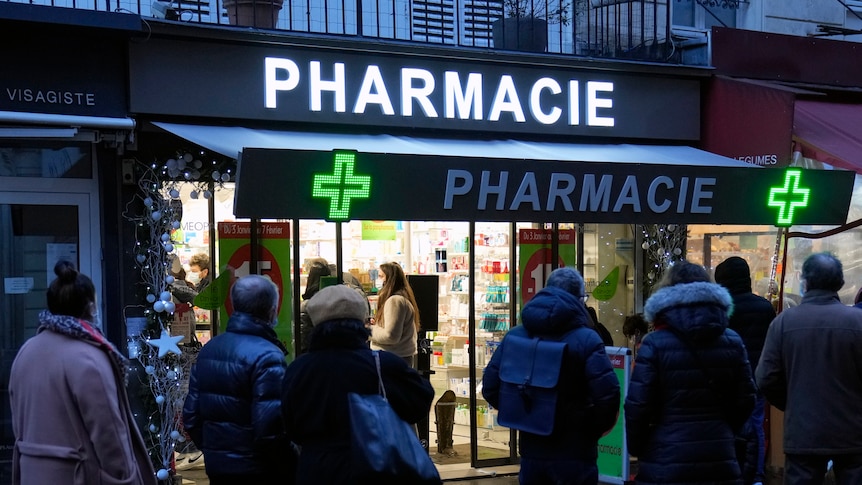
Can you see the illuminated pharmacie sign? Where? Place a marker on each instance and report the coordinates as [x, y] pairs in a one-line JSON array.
[[547, 101], [345, 185], [432, 90]]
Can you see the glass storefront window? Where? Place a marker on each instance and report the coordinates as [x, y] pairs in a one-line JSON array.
[[46, 160], [763, 249]]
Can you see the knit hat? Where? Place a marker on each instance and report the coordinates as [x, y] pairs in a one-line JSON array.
[[734, 274], [337, 302], [567, 279]]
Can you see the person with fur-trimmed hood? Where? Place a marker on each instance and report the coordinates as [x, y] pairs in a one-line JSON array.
[[588, 399], [691, 388]]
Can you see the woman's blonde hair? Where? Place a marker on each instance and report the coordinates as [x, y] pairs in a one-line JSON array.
[[396, 284]]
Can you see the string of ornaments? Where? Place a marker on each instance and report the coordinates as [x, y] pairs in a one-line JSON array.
[[156, 211], [663, 245]]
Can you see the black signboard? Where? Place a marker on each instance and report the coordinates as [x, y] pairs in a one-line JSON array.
[[386, 89], [342, 185], [69, 75]]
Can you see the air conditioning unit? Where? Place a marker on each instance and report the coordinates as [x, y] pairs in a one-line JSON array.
[[688, 36]]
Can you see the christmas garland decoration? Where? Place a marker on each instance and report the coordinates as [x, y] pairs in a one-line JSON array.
[[664, 245], [156, 211]]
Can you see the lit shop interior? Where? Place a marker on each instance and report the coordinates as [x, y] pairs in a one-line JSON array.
[[470, 319], [471, 279]]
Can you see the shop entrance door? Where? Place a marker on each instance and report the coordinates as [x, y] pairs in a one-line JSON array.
[[36, 230]]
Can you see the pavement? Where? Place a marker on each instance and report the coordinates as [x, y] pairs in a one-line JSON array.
[[507, 476]]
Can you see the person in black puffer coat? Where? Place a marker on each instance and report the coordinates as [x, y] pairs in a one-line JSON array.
[[751, 317], [691, 388], [232, 410], [339, 361], [588, 396]]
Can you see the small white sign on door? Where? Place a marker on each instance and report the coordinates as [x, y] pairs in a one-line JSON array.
[[17, 286]]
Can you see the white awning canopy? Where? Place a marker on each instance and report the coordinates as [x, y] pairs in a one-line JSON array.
[[230, 141]]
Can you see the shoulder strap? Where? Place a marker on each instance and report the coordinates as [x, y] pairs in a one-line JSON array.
[[380, 386]]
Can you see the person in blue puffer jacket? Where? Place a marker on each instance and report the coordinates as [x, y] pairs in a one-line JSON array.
[[691, 388], [588, 399], [233, 408]]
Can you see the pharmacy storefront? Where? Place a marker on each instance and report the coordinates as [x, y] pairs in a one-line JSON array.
[[477, 174]]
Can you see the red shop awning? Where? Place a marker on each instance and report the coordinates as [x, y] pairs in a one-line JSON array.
[[749, 120], [829, 132]]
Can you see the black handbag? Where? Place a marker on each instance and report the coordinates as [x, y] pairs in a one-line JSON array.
[[384, 448]]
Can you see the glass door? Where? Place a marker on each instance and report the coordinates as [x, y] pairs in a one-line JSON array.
[[36, 230]]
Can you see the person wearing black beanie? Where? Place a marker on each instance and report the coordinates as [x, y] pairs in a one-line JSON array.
[[751, 317]]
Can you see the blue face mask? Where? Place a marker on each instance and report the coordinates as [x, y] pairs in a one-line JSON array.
[[273, 323]]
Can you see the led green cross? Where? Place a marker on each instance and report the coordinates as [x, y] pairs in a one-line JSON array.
[[788, 198], [341, 186]]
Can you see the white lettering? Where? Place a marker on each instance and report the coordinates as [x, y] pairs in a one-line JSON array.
[[272, 84], [466, 100], [506, 99], [420, 94], [373, 90], [594, 102], [536, 101], [336, 86], [574, 103], [551, 101]]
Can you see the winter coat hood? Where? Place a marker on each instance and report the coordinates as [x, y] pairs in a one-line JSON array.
[[734, 274], [553, 311], [699, 310]]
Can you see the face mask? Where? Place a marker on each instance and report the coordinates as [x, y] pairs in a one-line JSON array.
[[95, 319], [193, 277], [273, 323]]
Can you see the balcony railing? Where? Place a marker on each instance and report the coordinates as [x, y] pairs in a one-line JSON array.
[[612, 29]]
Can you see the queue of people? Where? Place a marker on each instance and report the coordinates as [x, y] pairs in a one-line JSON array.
[[713, 355]]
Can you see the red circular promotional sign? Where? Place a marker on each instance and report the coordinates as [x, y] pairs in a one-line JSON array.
[[239, 264]]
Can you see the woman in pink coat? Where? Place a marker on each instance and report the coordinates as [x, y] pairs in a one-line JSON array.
[[70, 412]]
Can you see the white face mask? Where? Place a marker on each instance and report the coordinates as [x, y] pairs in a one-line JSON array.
[[193, 277], [95, 319]]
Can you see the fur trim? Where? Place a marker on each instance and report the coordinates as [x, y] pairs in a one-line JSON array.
[[687, 294]]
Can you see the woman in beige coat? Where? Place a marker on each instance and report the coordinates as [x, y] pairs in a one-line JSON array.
[[70, 412], [396, 321]]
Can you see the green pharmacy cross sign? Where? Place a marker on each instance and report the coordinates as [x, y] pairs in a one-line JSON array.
[[788, 197], [341, 186]]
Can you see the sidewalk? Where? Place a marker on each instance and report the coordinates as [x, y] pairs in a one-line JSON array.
[[197, 476]]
